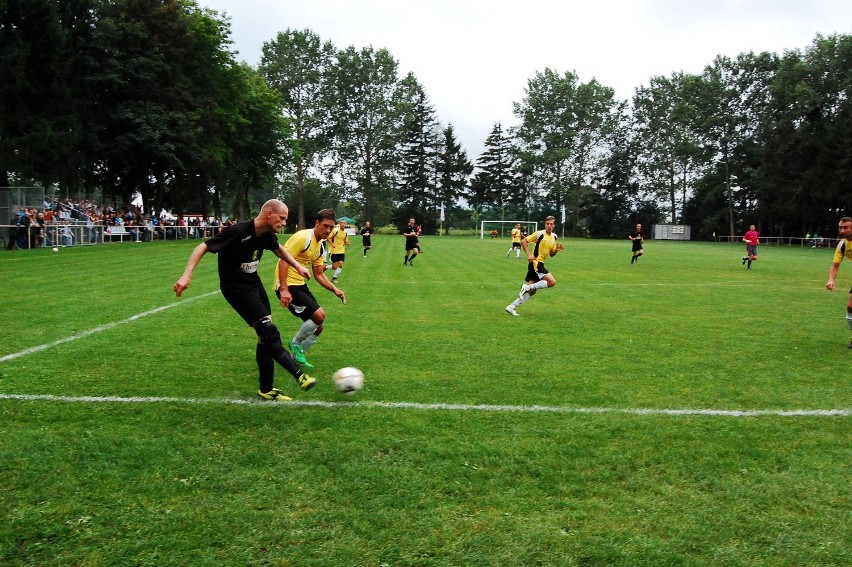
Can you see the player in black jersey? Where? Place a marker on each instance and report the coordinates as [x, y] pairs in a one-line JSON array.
[[638, 242], [240, 248]]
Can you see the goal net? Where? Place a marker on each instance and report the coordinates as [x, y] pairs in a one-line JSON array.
[[504, 227]]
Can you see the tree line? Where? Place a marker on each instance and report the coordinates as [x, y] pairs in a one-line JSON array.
[[119, 98]]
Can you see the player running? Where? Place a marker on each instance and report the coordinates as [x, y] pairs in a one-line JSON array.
[[338, 240], [537, 275], [752, 239], [638, 243], [843, 250], [516, 241]]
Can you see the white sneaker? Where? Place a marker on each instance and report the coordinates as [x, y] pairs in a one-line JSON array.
[[510, 309], [524, 289]]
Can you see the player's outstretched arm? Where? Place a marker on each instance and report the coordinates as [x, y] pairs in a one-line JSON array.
[[832, 274], [194, 258], [322, 279]]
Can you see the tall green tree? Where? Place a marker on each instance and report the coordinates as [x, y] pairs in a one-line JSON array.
[[419, 145], [671, 156], [42, 43], [453, 171], [298, 64], [807, 139], [367, 124], [566, 130], [494, 178]]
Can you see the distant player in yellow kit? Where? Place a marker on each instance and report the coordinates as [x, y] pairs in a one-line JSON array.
[[516, 241], [338, 240]]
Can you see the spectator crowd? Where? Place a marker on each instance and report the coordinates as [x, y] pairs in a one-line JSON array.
[[70, 222]]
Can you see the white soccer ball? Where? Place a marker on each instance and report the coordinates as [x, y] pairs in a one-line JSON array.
[[55, 249], [348, 380]]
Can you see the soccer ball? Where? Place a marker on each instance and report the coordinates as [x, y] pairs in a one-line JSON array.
[[55, 249], [348, 380]]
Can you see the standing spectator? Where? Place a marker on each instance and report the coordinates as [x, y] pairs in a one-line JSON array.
[[843, 250], [240, 249], [38, 230], [752, 239], [66, 237]]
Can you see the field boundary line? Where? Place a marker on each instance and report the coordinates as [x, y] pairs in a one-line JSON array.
[[426, 406], [101, 328]]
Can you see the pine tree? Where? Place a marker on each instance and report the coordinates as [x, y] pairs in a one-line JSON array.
[[418, 179], [495, 179]]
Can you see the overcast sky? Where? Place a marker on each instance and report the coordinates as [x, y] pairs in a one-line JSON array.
[[474, 57]]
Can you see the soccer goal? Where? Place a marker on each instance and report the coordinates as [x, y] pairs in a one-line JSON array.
[[504, 227]]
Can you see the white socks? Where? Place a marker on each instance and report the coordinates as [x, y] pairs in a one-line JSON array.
[[309, 342], [305, 331]]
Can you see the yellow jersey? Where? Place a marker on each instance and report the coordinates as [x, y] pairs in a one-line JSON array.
[[516, 235], [338, 240], [843, 250], [307, 250], [543, 245]]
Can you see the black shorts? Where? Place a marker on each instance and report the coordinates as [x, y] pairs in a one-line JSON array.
[[637, 245], [533, 275], [516, 245], [367, 241], [304, 304], [251, 302], [337, 258]]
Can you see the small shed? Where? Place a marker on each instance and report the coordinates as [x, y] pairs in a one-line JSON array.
[[672, 232]]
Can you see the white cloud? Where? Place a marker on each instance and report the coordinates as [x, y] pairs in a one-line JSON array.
[[474, 57]]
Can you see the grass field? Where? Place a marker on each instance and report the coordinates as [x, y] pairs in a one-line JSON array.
[[678, 412]]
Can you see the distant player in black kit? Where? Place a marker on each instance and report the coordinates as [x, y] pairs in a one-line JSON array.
[[636, 237], [240, 248], [412, 244], [366, 236]]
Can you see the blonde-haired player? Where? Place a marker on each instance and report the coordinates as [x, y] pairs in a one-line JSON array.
[[544, 246]]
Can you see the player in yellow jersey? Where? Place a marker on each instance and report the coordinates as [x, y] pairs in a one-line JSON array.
[[544, 246], [843, 250], [308, 248], [338, 240], [516, 241]]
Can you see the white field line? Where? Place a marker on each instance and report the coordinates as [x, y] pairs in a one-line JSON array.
[[100, 329], [442, 407]]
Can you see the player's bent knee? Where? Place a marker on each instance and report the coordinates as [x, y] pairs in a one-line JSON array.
[[267, 332], [318, 317]]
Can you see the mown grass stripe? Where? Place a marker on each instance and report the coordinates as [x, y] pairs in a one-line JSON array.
[[100, 328]]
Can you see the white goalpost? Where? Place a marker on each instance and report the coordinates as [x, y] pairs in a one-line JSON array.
[[504, 227]]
